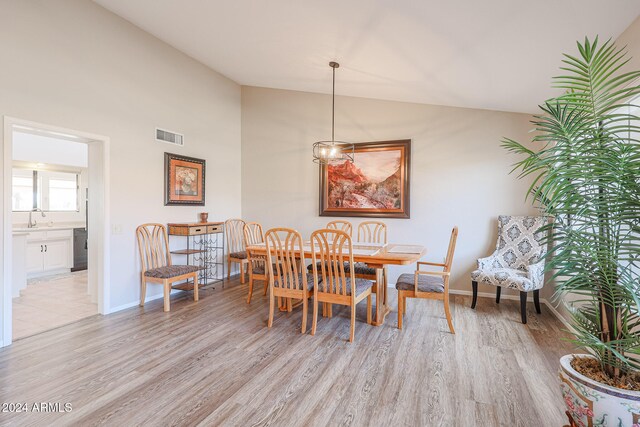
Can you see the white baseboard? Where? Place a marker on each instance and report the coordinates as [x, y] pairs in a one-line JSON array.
[[135, 303], [560, 317], [544, 301]]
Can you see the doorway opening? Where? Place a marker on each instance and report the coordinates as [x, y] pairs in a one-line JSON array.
[[55, 221]]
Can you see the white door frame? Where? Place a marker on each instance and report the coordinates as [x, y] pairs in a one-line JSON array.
[[99, 221]]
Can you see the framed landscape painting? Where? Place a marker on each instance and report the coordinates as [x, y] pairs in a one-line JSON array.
[[376, 184], [184, 180]]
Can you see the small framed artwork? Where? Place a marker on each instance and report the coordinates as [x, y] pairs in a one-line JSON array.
[[375, 185], [183, 180]]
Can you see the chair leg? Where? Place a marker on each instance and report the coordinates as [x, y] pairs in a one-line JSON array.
[[314, 320], [143, 291], [196, 291], [353, 323], [250, 289], [228, 269], [271, 308], [447, 312], [266, 286], [400, 309], [167, 296], [523, 307], [384, 285], [305, 303], [369, 304], [329, 310], [536, 300], [498, 289], [242, 264], [474, 286]]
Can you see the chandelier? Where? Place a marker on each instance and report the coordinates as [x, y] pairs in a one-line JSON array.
[[326, 151]]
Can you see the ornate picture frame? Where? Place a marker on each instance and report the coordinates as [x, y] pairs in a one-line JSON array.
[[184, 180], [375, 185]]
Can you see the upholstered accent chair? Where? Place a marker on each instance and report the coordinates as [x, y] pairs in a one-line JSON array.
[[333, 281], [288, 277], [236, 253], [428, 284], [256, 263], [153, 244], [518, 261]]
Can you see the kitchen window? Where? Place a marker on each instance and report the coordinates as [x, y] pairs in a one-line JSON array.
[[45, 190]]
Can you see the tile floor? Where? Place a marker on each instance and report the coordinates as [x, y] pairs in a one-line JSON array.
[[50, 302]]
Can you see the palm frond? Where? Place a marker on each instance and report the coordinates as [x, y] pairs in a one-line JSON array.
[[584, 168]]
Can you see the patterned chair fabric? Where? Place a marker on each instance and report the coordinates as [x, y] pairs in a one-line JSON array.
[[170, 271], [362, 268], [426, 283], [259, 268], [518, 261], [238, 255], [361, 285], [308, 279]]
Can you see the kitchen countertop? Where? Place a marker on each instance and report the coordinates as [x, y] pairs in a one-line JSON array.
[[61, 226]]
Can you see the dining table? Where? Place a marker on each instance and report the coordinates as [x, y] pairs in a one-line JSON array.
[[374, 255]]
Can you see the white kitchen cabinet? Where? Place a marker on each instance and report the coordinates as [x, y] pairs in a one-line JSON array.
[[56, 254], [35, 257], [49, 252]]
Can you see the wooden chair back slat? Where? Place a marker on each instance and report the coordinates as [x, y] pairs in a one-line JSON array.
[[330, 249], [285, 253], [234, 235], [252, 234], [342, 225], [372, 232], [153, 245], [452, 248]]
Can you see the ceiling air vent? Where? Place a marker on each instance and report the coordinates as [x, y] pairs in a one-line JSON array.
[[169, 137]]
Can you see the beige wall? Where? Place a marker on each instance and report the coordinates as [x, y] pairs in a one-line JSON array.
[[459, 172], [71, 63]]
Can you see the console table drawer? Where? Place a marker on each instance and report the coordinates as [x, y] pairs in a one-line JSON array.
[[184, 230], [214, 228], [193, 231]]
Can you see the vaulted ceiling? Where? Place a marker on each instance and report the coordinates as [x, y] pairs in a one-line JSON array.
[[490, 54]]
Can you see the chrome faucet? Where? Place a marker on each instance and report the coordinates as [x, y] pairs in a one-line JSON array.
[[33, 223]]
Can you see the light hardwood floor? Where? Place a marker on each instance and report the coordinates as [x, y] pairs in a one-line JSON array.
[[214, 362], [49, 302]]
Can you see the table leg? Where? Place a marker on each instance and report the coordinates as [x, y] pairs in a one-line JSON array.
[[381, 297]]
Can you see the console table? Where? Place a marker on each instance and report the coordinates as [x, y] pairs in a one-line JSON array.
[[204, 247]]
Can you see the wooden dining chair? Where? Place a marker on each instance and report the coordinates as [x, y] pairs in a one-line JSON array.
[[371, 232], [236, 253], [342, 225], [153, 244], [256, 263], [428, 284], [288, 277], [333, 282], [338, 224]]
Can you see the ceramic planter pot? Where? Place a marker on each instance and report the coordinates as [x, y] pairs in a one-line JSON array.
[[592, 404]]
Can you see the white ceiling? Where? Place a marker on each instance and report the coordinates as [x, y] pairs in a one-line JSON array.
[[34, 148], [491, 54]]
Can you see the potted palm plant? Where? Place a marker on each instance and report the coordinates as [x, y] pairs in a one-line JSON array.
[[584, 161]]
